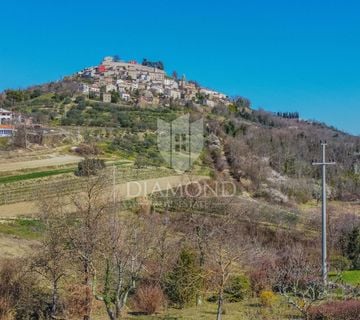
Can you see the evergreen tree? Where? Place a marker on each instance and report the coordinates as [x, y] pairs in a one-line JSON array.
[[183, 283], [351, 247]]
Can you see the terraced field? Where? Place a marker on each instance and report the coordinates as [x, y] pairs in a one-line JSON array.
[[31, 189], [57, 160], [19, 199]]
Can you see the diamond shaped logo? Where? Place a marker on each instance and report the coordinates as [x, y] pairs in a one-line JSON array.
[[180, 142]]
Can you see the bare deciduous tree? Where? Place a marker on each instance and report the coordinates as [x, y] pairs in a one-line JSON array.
[[129, 244], [50, 260], [297, 278], [85, 230], [227, 248]]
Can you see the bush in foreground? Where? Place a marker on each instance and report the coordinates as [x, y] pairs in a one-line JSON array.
[[183, 282], [237, 289], [149, 299], [336, 310], [21, 297], [267, 298]]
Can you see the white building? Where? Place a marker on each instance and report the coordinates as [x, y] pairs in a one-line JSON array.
[[5, 116], [84, 88], [133, 69], [94, 89], [157, 89], [210, 103], [134, 86], [175, 85], [212, 94], [121, 89], [6, 130], [207, 92], [110, 87], [125, 96], [169, 82], [144, 77], [108, 59]]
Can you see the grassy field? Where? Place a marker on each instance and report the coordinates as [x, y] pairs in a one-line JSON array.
[[351, 277], [248, 309], [22, 228], [34, 175], [48, 173], [19, 237]]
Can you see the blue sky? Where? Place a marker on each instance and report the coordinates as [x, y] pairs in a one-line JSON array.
[[283, 55]]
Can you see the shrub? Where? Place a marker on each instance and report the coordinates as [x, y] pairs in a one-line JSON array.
[[67, 100], [149, 299], [184, 281], [218, 160], [237, 289], [267, 298], [89, 167], [351, 246], [259, 280], [140, 161], [336, 310], [340, 263], [20, 294], [86, 149], [75, 303], [300, 190]]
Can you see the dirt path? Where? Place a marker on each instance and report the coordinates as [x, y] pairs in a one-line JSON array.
[[56, 160], [127, 190]]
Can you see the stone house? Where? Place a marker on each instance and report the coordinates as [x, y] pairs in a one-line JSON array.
[[106, 97], [174, 94]]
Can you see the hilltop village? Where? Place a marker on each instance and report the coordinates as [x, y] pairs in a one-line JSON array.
[[112, 81], [143, 84], [39, 110]]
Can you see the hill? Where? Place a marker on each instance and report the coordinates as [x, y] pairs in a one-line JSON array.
[[126, 99], [119, 102], [79, 144]]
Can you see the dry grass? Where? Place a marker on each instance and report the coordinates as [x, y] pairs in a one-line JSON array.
[[13, 247], [55, 160], [250, 309]]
